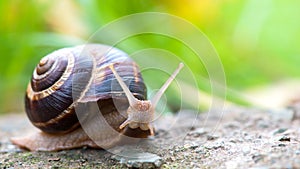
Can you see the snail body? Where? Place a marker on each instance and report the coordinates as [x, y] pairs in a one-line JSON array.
[[77, 97]]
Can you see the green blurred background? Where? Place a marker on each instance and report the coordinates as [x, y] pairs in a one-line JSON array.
[[257, 41]]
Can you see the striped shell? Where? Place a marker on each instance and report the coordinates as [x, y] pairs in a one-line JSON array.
[[71, 76]]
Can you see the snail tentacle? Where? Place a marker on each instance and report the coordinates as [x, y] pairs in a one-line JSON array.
[[161, 91], [132, 100]]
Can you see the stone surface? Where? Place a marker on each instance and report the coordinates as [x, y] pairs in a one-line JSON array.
[[236, 138]]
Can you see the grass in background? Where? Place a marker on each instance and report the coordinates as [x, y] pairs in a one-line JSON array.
[[256, 41]]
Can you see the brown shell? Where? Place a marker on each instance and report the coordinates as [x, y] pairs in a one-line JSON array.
[[74, 76]]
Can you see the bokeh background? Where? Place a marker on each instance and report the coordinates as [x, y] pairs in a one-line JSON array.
[[257, 41]]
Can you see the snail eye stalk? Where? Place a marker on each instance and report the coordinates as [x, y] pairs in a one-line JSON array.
[[161, 91], [132, 100]]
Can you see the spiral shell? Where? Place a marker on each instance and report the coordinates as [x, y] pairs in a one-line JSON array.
[[79, 74]]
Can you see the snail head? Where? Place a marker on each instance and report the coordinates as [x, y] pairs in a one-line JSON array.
[[141, 112]]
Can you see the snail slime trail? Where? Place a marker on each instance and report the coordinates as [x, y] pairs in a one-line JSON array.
[[50, 103]]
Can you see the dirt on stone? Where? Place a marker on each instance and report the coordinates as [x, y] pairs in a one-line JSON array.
[[234, 138]]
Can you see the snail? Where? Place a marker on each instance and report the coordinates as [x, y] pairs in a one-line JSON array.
[[67, 84]]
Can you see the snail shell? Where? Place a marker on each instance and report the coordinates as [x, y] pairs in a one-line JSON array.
[[72, 75]]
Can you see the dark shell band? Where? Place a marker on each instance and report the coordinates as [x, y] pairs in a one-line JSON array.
[[33, 95]]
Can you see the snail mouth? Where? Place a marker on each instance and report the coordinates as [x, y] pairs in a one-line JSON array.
[[135, 125]]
